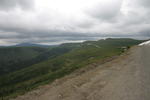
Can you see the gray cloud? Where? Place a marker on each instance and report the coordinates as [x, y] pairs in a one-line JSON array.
[[46, 24], [11, 4], [106, 11], [144, 3]]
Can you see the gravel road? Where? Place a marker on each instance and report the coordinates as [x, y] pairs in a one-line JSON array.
[[124, 78]]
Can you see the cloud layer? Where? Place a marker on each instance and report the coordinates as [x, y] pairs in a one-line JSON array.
[[58, 21]]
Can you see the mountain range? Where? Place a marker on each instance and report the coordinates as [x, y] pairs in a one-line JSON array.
[[26, 66]]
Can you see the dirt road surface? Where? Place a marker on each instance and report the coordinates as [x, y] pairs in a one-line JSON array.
[[124, 78]]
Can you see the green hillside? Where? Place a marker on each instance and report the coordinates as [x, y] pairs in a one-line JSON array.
[[16, 58], [12, 58], [66, 59]]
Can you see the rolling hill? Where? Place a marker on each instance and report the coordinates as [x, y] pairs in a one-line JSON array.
[[18, 57], [60, 61], [12, 58]]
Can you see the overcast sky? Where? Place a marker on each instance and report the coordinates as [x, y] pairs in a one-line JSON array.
[[58, 21]]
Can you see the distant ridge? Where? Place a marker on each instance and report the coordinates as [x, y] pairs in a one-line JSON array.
[[32, 45]]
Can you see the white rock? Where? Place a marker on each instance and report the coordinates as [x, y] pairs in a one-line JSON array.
[[145, 43]]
